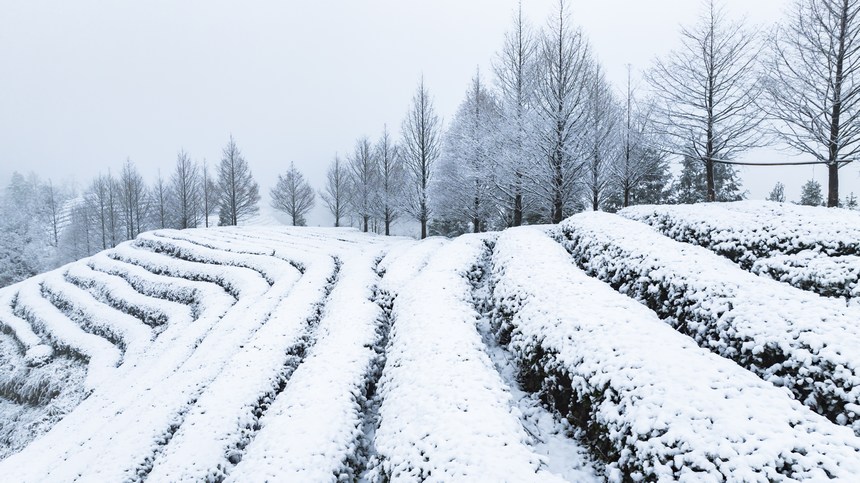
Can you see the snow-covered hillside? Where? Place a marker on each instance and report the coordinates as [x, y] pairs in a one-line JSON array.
[[302, 354]]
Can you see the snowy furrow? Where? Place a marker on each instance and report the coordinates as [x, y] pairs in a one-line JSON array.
[[126, 332], [119, 294], [194, 294], [93, 417], [651, 402], [210, 239], [789, 337], [237, 281], [446, 414], [227, 415], [270, 268], [126, 442], [402, 265], [810, 251], [36, 351], [65, 335], [313, 430]]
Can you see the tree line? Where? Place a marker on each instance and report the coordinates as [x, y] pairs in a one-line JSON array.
[[541, 136], [545, 134], [44, 225]]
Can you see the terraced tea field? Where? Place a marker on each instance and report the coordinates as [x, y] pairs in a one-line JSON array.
[[601, 349]]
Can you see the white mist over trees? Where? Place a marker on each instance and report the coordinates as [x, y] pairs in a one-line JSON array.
[[44, 225]]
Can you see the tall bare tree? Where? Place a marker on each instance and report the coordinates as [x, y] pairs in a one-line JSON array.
[[364, 178], [464, 186], [813, 84], [390, 187], [642, 156], [293, 195], [160, 194], [515, 80], [133, 200], [186, 192], [210, 194], [708, 92], [53, 201], [336, 195], [601, 132], [237, 190], [421, 138], [563, 67]]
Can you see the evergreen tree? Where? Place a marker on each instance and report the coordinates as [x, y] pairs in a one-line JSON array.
[[811, 195], [777, 193], [690, 186], [727, 183]]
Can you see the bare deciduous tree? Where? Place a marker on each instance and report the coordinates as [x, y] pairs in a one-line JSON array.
[[160, 197], [186, 192], [293, 195], [133, 199], [421, 139], [237, 190], [561, 92], [515, 80], [463, 190], [210, 194], [336, 193], [53, 200], [708, 91], [364, 177], [641, 155], [813, 84], [390, 180], [601, 132]]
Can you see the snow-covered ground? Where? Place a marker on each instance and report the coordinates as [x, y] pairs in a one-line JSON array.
[[807, 247], [266, 353]]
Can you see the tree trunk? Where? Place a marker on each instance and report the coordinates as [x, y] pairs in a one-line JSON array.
[[387, 225], [626, 196], [709, 170], [833, 185], [558, 196], [423, 228], [518, 209], [365, 218]]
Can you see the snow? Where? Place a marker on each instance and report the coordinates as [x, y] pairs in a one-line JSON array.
[[811, 248], [313, 430], [445, 412], [659, 406], [101, 355], [787, 336], [226, 414], [37, 352], [310, 354]]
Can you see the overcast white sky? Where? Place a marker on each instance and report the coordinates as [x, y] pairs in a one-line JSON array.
[[85, 84]]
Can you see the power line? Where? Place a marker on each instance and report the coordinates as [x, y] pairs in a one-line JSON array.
[[798, 163]]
